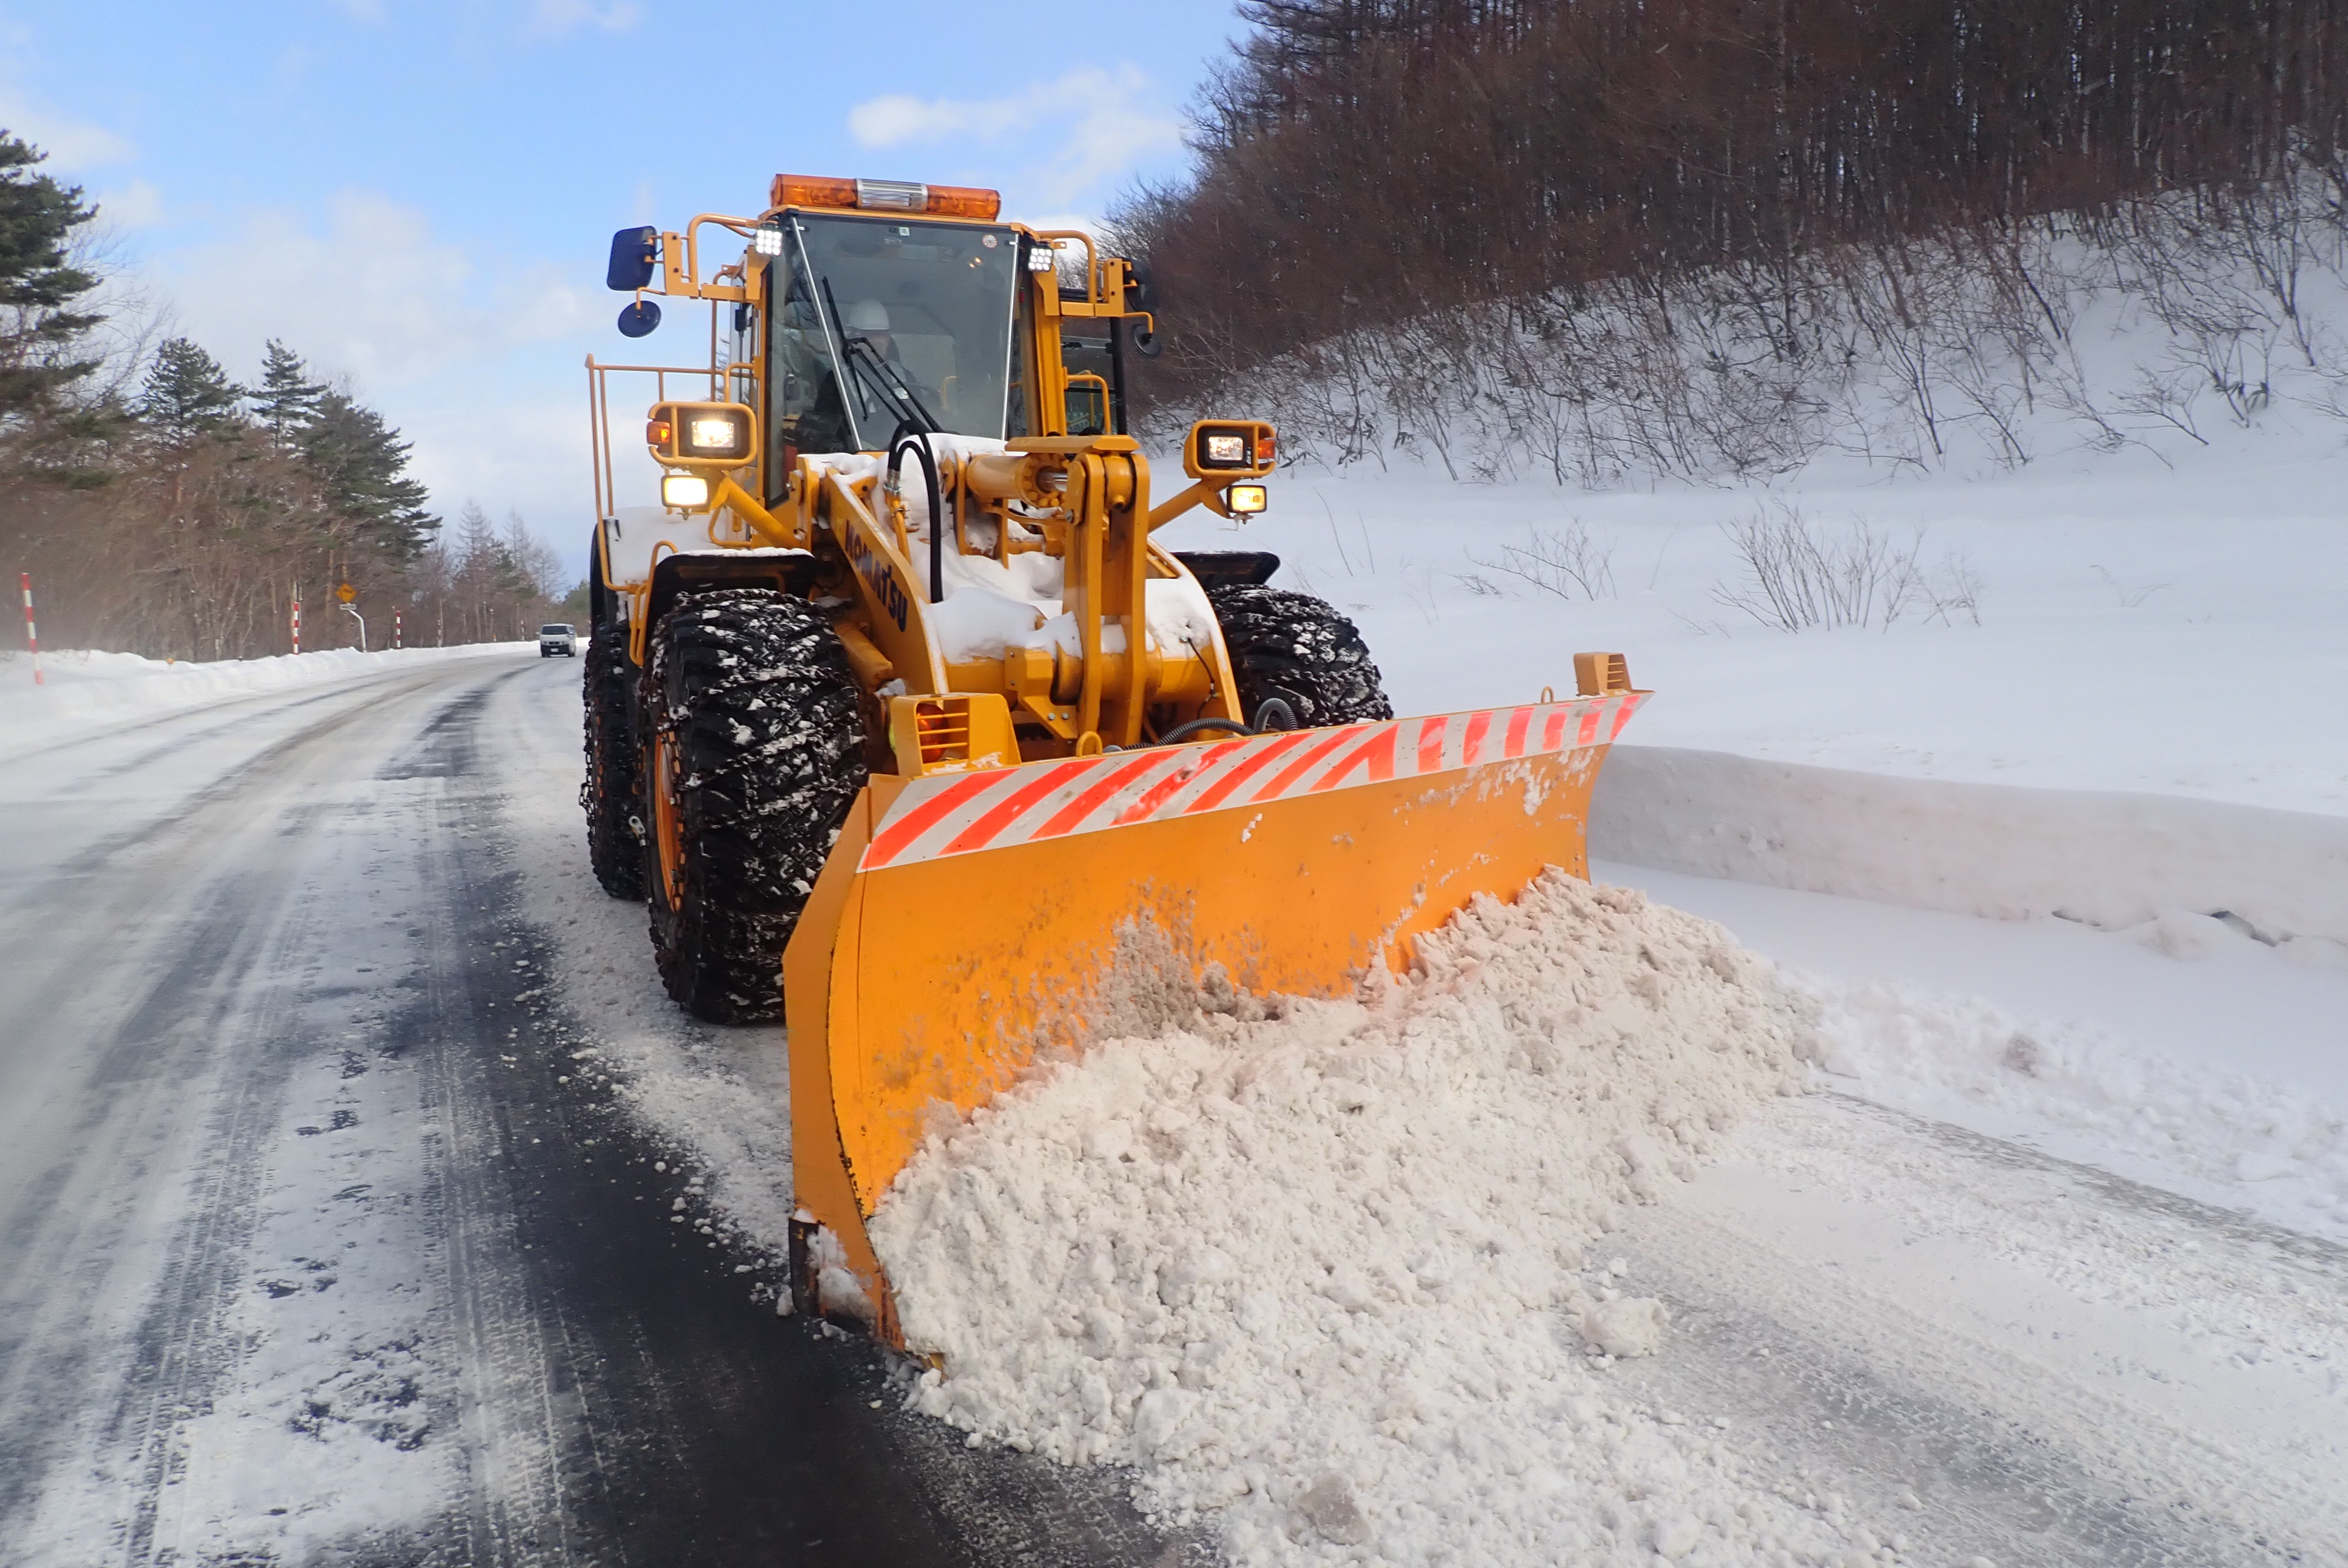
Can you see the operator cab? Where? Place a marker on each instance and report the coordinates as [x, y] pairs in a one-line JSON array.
[[878, 323]]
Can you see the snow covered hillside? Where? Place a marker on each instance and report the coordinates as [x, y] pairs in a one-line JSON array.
[[2167, 622]]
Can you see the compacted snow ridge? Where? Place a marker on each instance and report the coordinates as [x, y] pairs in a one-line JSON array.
[[1317, 1277], [1905, 1046], [87, 691]]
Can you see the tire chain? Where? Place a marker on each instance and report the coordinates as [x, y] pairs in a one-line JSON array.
[[758, 694], [1297, 648]]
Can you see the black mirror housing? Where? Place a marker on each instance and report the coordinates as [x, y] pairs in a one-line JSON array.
[[636, 256]]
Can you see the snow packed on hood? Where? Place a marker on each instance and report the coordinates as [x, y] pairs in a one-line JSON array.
[[1316, 1274]]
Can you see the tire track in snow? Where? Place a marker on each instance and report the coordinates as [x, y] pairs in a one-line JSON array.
[[1999, 1352], [129, 1247], [720, 1433]]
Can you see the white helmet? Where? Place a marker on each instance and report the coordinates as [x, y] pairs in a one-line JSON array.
[[868, 316]]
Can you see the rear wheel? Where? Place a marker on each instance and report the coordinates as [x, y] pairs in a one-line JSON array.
[[611, 796], [754, 751], [1297, 648]]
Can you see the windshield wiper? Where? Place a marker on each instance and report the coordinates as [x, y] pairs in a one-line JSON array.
[[878, 376]]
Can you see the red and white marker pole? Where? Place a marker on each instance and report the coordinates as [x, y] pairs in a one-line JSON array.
[[297, 626], [32, 632], [394, 630]]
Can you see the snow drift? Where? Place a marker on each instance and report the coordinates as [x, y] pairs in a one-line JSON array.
[[84, 691], [2109, 858], [1321, 1269]]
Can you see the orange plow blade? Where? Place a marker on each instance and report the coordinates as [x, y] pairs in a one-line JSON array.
[[969, 924]]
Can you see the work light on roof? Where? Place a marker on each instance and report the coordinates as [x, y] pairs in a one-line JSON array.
[[766, 238], [885, 196], [891, 196]]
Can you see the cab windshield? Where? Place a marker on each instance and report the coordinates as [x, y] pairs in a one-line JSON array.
[[879, 323]]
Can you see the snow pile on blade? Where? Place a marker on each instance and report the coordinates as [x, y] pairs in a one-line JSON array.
[[1320, 1271]]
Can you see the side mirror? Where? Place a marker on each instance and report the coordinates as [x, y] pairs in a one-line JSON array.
[[639, 319], [636, 256]]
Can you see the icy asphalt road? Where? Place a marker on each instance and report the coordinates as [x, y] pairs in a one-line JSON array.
[[312, 1249], [317, 1242]]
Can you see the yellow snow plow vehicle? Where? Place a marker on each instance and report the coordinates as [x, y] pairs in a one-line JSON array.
[[907, 731]]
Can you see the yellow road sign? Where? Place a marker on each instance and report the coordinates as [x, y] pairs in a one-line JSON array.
[[346, 593]]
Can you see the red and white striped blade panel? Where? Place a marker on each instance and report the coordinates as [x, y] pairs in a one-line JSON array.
[[996, 808]]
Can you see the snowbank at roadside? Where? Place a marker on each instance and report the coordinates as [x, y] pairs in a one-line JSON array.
[[84, 689], [2274, 1146], [1318, 1277], [2168, 997], [2181, 1054], [2110, 859]]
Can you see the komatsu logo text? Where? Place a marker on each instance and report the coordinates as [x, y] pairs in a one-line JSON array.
[[874, 568]]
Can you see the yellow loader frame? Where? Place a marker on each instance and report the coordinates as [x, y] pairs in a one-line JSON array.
[[1027, 860]]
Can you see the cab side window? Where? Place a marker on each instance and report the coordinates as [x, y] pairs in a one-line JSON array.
[[1095, 396], [798, 369]]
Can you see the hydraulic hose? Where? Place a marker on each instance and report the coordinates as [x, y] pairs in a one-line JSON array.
[[1271, 713], [1184, 731], [918, 441]]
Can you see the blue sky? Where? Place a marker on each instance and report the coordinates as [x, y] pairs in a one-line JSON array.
[[419, 195]]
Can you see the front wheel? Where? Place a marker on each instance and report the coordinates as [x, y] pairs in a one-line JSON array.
[[1299, 649], [753, 753]]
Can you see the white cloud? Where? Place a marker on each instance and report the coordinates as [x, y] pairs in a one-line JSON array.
[[554, 18], [370, 291], [524, 453], [898, 118], [1101, 123], [73, 145], [137, 205]]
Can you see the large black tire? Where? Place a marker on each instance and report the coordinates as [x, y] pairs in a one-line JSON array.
[[753, 752], [611, 795], [1298, 648]]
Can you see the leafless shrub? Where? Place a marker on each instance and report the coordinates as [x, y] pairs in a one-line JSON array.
[[2130, 596], [1798, 576], [1952, 592], [1559, 561]]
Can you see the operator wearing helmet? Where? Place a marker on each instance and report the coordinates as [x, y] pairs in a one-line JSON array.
[[826, 419]]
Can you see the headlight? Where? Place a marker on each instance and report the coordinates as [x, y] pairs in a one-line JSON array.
[[684, 492], [1245, 501], [702, 436], [713, 436], [1231, 450]]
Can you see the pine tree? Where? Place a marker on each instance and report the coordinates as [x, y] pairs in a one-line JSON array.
[[363, 464], [187, 396], [41, 335], [287, 400]]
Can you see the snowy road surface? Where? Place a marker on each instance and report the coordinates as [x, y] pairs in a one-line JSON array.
[[312, 1248], [361, 1201]]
